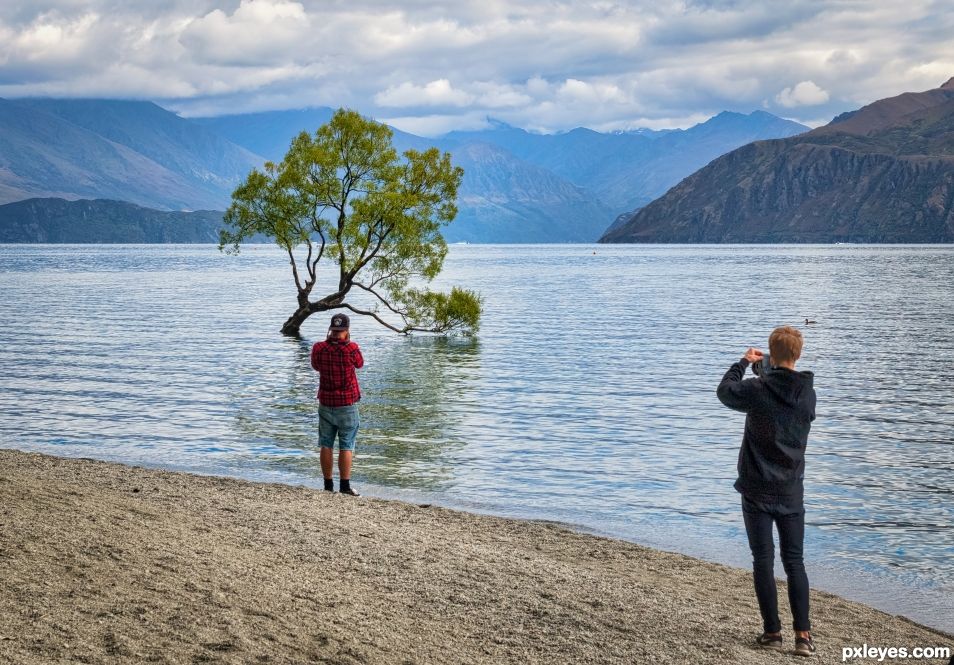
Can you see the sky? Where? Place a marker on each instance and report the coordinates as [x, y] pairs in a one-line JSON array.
[[432, 67]]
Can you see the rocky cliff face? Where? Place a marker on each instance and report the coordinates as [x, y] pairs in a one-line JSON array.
[[884, 173]]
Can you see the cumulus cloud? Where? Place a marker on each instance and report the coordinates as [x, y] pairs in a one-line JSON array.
[[575, 91], [806, 93], [492, 95], [48, 44], [257, 32], [546, 65], [435, 93], [437, 124]]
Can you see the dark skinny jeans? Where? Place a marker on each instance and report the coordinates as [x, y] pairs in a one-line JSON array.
[[759, 516]]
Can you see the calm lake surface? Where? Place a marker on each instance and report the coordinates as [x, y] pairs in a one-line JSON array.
[[588, 396]]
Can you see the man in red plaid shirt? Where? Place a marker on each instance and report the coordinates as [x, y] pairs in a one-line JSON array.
[[336, 360]]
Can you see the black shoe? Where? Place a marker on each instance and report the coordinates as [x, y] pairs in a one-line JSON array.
[[769, 641], [804, 646], [350, 492]]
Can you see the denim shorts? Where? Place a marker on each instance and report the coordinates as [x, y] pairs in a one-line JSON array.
[[338, 421]]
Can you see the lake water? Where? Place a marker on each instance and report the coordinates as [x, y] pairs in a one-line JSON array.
[[588, 396]]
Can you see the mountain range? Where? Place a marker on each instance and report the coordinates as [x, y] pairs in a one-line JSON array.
[[626, 170], [525, 187], [518, 186], [125, 150], [881, 174]]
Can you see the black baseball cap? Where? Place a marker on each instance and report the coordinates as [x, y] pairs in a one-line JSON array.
[[340, 322]]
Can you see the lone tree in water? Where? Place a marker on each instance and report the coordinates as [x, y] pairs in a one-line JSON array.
[[344, 195]]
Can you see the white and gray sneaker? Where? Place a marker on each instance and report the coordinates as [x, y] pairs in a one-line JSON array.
[[804, 646], [770, 640]]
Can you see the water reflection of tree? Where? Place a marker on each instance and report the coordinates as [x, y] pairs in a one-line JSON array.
[[271, 413], [415, 396], [414, 390]]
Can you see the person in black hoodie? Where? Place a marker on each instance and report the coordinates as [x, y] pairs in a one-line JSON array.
[[780, 406]]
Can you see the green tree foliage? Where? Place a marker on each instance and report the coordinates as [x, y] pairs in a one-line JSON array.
[[344, 195]]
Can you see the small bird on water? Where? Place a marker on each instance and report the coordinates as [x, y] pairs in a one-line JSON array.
[[808, 322]]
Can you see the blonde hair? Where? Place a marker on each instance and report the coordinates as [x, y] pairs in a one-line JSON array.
[[785, 344]]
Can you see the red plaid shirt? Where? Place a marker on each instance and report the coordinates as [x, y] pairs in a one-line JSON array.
[[337, 381]]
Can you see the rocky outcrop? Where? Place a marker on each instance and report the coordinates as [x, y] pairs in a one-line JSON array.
[[884, 173]]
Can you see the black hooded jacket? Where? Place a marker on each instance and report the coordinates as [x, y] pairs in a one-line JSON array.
[[779, 408]]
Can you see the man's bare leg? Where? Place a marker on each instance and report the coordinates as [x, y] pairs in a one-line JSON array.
[[327, 457], [344, 464], [344, 471]]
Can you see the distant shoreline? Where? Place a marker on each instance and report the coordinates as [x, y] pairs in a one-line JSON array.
[[41, 221], [100, 560], [595, 245]]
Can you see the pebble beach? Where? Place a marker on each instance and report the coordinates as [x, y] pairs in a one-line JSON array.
[[107, 563]]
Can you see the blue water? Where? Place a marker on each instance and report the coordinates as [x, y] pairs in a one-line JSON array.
[[588, 396]]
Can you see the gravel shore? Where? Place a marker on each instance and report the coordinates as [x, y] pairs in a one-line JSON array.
[[106, 563]]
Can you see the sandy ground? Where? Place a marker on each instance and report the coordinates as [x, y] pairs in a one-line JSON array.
[[105, 563]]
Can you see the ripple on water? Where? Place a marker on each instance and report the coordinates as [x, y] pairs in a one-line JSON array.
[[590, 388]]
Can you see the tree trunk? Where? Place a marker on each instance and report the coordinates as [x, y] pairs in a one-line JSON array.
[[292, 326]]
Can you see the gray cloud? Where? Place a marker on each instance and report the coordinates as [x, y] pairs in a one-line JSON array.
[[432, 66]]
